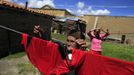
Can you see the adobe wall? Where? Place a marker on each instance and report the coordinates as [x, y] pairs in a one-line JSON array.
[[118, 26], [20, 20]]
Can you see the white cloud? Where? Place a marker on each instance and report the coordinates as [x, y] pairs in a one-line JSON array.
[[100, 12], [90, 11], [22, 4], [82, 12], [82, 9], [80, 4], [69, 10], [12, 0], [40, 3], [130, 15], [89, 8], [15, 0]]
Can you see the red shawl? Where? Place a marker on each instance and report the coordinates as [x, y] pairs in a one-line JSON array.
[[46, 57], [90, 64], [43, 54], [101, 65]]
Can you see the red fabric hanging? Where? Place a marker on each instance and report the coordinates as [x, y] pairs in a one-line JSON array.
[[43, 54], [46, 57], [90, 64], [78, 57], [101, 65]]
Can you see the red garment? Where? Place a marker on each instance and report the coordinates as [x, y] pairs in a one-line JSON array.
[[95, 52], [78, 57], [90, 64], [46, 57], [101, 65], [43, 54]]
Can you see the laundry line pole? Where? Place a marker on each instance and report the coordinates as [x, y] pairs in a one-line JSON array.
[[95, 22]]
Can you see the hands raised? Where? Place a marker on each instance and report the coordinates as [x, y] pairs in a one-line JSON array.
[[81, 44], [38, 30]]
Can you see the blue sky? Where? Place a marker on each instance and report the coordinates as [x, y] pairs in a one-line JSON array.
[[88, 7]]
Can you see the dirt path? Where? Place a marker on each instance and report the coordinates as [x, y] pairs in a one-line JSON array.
[[10, 66]]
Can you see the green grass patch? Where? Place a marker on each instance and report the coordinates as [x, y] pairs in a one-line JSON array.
[[60, 37], [16, 55], [26, 68], [120, 51]]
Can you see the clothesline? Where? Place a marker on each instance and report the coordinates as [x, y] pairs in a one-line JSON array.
[[10, 29], [7, 28]]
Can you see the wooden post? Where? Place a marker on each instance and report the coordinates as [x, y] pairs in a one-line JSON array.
[[95, 22]]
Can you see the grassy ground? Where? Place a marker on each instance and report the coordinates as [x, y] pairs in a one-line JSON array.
[[25, 68], [59, 37], [17, 64], [120, 51], [14, 56]]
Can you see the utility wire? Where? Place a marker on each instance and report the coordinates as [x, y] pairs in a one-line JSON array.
[[1, 26]]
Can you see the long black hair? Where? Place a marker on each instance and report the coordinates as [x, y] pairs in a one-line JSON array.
[[97, 35], [76, 33]]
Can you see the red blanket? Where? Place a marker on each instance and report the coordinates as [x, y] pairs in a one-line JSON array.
[[89, 64], [78, 57], [101, 65], [46, 57], [43, 54]]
